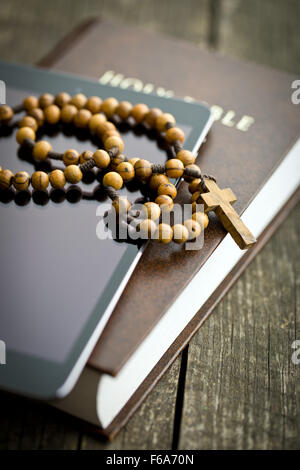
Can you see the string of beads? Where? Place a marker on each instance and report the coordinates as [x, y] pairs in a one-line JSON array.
[[96, 115]]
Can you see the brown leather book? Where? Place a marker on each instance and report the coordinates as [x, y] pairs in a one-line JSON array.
[[253, 143]]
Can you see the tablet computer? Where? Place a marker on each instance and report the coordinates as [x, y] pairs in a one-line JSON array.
[[59, 283]]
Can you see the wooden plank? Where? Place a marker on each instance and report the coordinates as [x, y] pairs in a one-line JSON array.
[[151, 427], [265, 31], [241, 385]]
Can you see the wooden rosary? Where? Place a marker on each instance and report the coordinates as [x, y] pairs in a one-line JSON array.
[[94, 114]]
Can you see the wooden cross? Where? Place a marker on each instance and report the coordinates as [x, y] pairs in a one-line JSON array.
[[220, 200]]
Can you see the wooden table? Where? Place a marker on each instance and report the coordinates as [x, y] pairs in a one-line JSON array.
[[235, 386]]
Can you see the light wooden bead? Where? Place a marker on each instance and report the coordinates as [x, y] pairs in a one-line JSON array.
[[194, 185], [124, 109], [28, 121], [25, 133], [95, 121], [194, 228], [196, 195], [62, 99], [113, 179], [52, 114], [133, 161], [152, 115], [46, 99], [156, 180], [21, 180], [6, 178], [164, 119], [73, 174], [167, 189], [143, 169], [40, 180], [139, 112], [41, 150], [174, 134], [147, 228], [68, 113], [57, 179], [38, 115], [180, 233], [201, 218], [109, 106], [79, 100], [30, 103], [165, 203], [186, 157], [165, 233], [71, 157], [93, 104], [151, 210], [107, 134], [115, 162], [6, 113], [114, 141], [126, 170], [82, 118], [86, 156], [101, 158], [104, 127], [121, 205], [174, 168]]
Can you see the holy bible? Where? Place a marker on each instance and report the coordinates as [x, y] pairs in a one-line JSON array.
[[253, 147]]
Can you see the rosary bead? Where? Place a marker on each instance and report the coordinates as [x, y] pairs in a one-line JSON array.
[[82, 118], [126, 170], [40, 180], [6, 113], [143, 169], [93, 104], [104, 127], [113, 179], [133, 161], [71, 157], [38, 115], [68, 113], [121, 205], [124, 109], [180, 233], [174, 133], [167, 189], [151, 210], [85, 156], [46, 99], [139, 112], [165, 202], [52, 114], [194, 228], [196, 195], [62, 99], [174, 168], [41, 150], [147, 228], [186, 157], [109, 107], [57, 179], [79, 100], [6, 178], [165, 233], [73, 174], [95, 121], [28, 121], [114, 141], [25, 133], [201, 218], [164, 119], [30, 103], [152, 115], [21, 180], [194, 185], [101, 158], [196, 172], [156, 180], [111, 133]]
